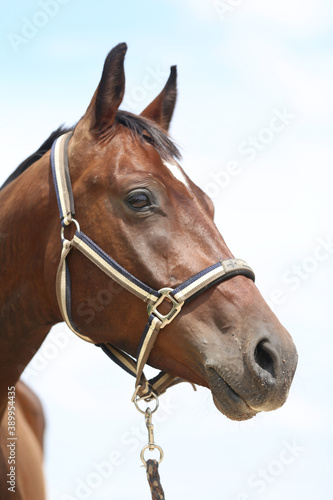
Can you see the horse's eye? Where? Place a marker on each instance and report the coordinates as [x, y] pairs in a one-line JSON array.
[[139, 200]]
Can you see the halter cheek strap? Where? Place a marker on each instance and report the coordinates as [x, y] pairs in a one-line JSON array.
[[176, 298]]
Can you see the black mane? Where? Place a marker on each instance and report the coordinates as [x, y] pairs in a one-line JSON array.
[[46, 146], [141, 128], [146, 130]]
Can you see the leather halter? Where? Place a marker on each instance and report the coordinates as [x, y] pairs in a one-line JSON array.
[[221, 271]]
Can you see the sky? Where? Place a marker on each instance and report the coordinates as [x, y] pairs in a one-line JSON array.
[[254, 121]]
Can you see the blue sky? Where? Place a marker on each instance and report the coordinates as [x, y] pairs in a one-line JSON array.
[[244, 67]]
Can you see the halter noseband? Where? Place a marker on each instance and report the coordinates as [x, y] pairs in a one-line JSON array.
[[217, 273]]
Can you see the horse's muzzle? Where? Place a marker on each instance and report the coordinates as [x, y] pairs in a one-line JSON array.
[[254, 378]]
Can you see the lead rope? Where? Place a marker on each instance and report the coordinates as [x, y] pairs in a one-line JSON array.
[[154, 481], [151, 465]]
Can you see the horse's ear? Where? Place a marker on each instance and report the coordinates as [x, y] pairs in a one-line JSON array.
[[161, 109], [110, 91]]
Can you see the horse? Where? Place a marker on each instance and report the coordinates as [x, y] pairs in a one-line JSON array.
[[149, 234]]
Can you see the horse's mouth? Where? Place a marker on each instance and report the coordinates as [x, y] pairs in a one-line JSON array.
[[226, 399]]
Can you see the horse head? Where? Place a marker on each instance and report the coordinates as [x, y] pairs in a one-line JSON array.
[[135, 201]]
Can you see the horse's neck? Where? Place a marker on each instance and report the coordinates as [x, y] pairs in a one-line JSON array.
[[27, 306]]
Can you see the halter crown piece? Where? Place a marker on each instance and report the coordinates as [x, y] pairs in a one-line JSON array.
[[221, 271]]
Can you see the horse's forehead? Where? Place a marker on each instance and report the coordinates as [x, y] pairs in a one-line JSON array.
[[141, 155], [176, 172], [172, 166], [128, 155]]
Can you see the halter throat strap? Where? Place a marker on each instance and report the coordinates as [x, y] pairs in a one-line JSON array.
[[217, 273]]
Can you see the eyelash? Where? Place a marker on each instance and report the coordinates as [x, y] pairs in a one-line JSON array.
[[145, 197]]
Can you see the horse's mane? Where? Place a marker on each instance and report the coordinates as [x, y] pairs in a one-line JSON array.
[[140, 127], [46, 146], [146, 130]]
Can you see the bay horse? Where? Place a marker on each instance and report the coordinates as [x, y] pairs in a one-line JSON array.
[[149, 226]]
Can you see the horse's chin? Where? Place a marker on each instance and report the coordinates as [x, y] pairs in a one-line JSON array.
[[226, 399]]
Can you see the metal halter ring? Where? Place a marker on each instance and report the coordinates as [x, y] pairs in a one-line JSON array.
[[136, 399], [66, 224], [175, 309], [151, 448]]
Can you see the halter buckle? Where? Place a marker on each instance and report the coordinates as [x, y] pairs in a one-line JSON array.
[[175, 307]]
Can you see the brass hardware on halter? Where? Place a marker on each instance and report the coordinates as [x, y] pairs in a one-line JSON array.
[[151, 446], [175, 307], [148, 413], [136, 399], [67, 222]]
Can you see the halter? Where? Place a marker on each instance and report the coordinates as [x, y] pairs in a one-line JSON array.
[[176, 297]]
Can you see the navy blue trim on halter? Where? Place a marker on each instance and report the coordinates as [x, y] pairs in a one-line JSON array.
[[231, 274], [109, 260], [194, 278], [53, 162], [143, 336], [114, 358]]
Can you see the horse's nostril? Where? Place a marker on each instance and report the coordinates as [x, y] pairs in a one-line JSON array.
[[263, 357]]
